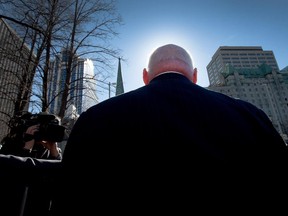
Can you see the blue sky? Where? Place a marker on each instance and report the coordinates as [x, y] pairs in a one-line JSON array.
[[199, 26]]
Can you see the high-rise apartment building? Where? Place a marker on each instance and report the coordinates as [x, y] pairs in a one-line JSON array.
[[82, 93], [238, 57], [251, 74]]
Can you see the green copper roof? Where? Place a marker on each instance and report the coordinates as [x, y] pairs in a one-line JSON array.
[[284, 73], [284, 69], [261, 71]]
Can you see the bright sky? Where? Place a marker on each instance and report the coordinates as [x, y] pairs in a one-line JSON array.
[[200, 26]]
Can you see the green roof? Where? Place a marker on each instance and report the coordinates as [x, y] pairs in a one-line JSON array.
[[284, 73], [284, 69], [261, 71]]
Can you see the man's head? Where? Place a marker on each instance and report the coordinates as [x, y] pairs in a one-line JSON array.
[[169, 57]]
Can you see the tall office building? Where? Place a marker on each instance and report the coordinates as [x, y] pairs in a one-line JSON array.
[[238, 57], [88, 86], [14, 55], [82, 93], [251, 74]]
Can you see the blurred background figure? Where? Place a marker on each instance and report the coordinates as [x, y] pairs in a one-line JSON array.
[[34, 135], [29, 164]]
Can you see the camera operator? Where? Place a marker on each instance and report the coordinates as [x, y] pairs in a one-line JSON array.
[[31, 168], [39, 148], [36, 136]]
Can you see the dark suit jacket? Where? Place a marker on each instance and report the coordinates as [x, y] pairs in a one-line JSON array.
[[28, 185], [154, 146]]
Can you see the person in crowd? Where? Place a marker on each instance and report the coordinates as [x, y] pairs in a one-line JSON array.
[[167, 145], [28, 185], [24, 139], [30, 159]]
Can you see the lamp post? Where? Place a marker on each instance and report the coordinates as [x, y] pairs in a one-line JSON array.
[[109, 87]]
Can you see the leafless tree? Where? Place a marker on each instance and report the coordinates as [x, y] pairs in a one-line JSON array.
[[92, 26], [83, 27]]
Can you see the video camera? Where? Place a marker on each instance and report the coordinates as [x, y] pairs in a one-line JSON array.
[[49, 129]]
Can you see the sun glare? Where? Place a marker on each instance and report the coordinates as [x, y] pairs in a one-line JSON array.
[[151, 43]]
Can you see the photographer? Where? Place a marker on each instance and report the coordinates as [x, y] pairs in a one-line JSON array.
[[30, 162], [36, 136], [40, 148]]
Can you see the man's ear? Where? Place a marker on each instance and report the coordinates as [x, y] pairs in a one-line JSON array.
[[145, 77], [194, 78]]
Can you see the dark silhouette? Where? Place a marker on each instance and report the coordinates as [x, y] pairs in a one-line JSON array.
[[168, 145], [28, 185], [34, 135], [28, 158]]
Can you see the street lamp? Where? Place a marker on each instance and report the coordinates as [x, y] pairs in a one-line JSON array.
[[109, 85]]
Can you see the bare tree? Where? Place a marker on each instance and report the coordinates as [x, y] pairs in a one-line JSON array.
[[92, 25], [83, 27], [34, 23], [16, 64]]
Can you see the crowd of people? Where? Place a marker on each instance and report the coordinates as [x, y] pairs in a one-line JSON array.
[[150, 148]]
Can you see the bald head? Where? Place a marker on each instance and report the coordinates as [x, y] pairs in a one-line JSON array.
[[169, 57]]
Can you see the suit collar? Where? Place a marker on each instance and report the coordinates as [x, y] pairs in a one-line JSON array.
[[169, 75]]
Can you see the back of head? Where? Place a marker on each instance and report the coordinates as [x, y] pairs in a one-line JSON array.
[[170, 57]]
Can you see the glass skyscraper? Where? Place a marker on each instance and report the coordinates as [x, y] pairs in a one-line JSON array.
[[82, 93]]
